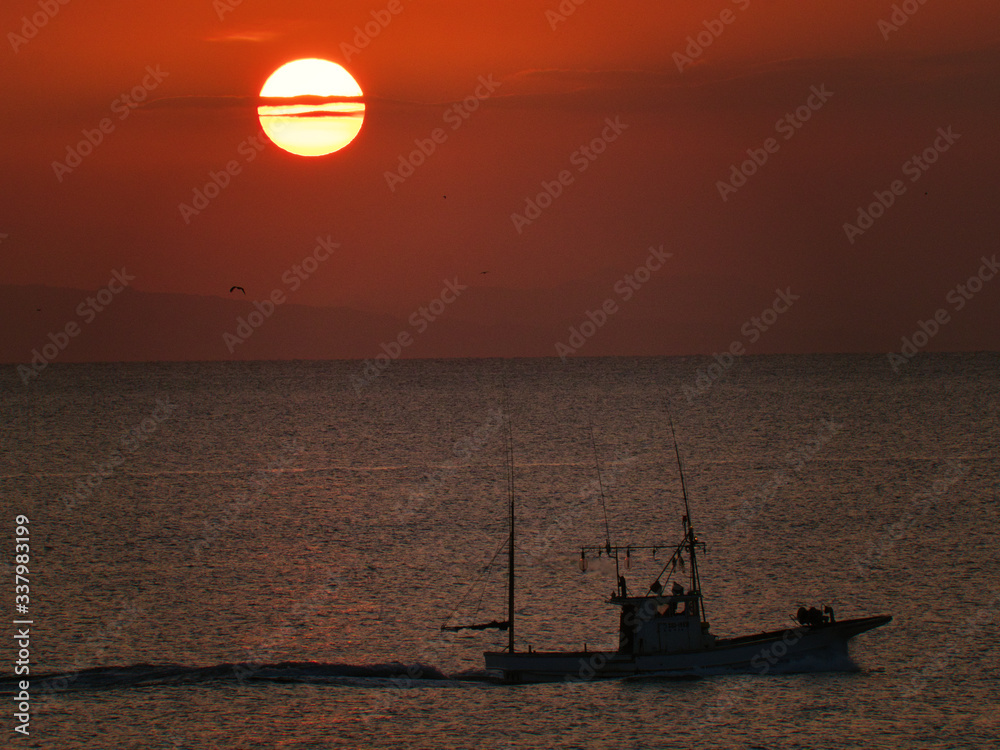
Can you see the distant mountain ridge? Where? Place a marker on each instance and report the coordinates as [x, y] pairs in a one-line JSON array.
[[59, 325]]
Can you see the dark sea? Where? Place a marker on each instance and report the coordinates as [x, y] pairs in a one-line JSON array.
[[261, 555]]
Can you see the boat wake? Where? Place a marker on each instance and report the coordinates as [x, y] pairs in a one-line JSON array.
[[394, 674]]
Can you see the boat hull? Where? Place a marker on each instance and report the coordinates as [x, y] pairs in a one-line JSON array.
[[812, 648]]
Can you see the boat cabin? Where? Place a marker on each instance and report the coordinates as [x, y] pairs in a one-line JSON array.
[[661, 624]]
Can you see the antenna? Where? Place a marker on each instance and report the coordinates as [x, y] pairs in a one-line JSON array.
[[604, 505]]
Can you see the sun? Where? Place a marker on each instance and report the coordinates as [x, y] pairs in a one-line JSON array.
[[323, 112]]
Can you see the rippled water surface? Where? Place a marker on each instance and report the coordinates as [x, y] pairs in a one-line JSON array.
[[216, 514]]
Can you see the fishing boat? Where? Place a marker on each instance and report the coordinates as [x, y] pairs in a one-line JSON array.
[[665, 632]]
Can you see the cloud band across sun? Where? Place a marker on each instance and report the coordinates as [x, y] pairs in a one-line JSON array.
[[311, 107]]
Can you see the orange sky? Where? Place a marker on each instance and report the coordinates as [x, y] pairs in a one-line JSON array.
[[656, 184]]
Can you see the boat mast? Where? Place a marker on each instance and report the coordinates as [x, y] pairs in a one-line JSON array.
[[689, 535], [509, 451]]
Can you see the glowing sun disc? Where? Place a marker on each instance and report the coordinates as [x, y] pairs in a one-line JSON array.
[[312, 128]]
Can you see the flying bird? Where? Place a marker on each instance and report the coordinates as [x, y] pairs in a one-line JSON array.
[[234, 288]]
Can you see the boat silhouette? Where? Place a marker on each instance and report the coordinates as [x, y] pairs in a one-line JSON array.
[[667, 633]]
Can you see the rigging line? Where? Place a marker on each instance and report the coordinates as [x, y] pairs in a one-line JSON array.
[[485, 571], [600, 484], [482, 594], [671, 563]]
